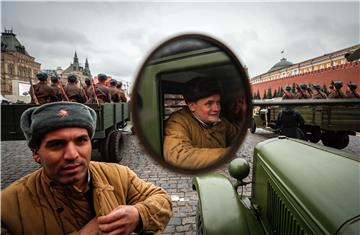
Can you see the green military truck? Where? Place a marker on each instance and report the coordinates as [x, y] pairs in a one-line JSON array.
[[110, 118], [297, 188], [331, 120]]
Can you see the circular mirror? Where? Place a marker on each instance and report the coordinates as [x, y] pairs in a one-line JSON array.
[[191, 103]]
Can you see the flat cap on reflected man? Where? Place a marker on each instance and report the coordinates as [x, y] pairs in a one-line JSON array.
[[200, 87]]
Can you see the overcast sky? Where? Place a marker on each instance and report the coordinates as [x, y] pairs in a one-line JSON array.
[[116, 36]]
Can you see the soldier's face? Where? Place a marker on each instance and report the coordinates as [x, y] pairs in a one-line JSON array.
[[207, 109], [65, 155]]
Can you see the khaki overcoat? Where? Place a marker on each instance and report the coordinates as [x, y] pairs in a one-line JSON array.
[[36, 205], [191, 145]]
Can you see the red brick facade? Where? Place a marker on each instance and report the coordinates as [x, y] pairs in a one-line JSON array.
[[345, 73]]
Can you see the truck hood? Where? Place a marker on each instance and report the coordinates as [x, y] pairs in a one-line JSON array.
[[323, 181]]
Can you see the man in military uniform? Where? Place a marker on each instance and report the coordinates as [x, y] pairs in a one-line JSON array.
[[287, 93], [102, 92], [352, 92], [197, 136], [122, 92], [69, 193], [302, 92], [73, 92], [330, 90], [317, 92], [55, 86], [89, 89], [42, 91], [337, 92], [290, 123], [114, 92]]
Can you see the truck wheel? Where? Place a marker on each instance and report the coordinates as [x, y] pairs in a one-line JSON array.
[[199, 221], [335, 140], [104, 148], [342, 140], [253, 126], [115, 145], [315, 136]]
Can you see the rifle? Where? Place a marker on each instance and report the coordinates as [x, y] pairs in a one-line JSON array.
[[83, 90], [300, 90], [62, 90], [93, 87], [337, 87], [286, 92], [310, 86], [33, 92], [320, 92]]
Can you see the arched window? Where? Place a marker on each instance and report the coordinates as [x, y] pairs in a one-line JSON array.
[[11, 69]]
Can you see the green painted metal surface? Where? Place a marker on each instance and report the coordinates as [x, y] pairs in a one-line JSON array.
[[10, 121], [108, 116], [326, 118], [221, 209], [317, 187], [328, 114]]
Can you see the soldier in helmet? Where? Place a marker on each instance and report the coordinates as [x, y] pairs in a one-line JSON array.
[[113, 91], [42, 91], [330, 90], [122, 92], [351, 92], [89, 89], [102, 92], [337, 92], [302, 92], [55, 86], [72, 91], [317, 92], [287, 93]]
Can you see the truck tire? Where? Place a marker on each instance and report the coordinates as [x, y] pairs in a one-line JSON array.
[[315, 136], [104, 148], [199, 220], [342, 140], [338, 140], [115, 145]]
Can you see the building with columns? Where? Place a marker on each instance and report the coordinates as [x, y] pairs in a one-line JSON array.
[[17, 68], [319, 70]]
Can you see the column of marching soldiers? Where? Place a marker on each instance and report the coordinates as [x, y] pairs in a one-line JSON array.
[[74, 91], [310, 91]]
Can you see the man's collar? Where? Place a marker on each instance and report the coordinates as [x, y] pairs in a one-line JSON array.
[[203, 123], [88, 185]]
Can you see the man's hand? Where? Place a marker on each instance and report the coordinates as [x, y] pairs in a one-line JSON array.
[[122, 220], [91, 228]]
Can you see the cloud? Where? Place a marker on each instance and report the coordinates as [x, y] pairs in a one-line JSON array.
[[117, 36]]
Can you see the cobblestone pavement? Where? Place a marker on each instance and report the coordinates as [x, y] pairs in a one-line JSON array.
[[16, 161]]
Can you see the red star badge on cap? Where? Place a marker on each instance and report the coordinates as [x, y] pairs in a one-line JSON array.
[[63, 113]]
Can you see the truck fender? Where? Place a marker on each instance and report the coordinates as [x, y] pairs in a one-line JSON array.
[[219, 207]]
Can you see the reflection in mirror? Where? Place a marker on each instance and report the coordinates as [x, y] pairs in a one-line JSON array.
[[191, 103]]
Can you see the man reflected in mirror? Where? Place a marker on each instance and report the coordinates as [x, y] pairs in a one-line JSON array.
[[197, 136]]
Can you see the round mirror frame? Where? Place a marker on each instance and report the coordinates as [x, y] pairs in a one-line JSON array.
[[136, 102]]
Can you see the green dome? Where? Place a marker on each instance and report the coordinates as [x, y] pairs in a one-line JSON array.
[[282, 64]]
